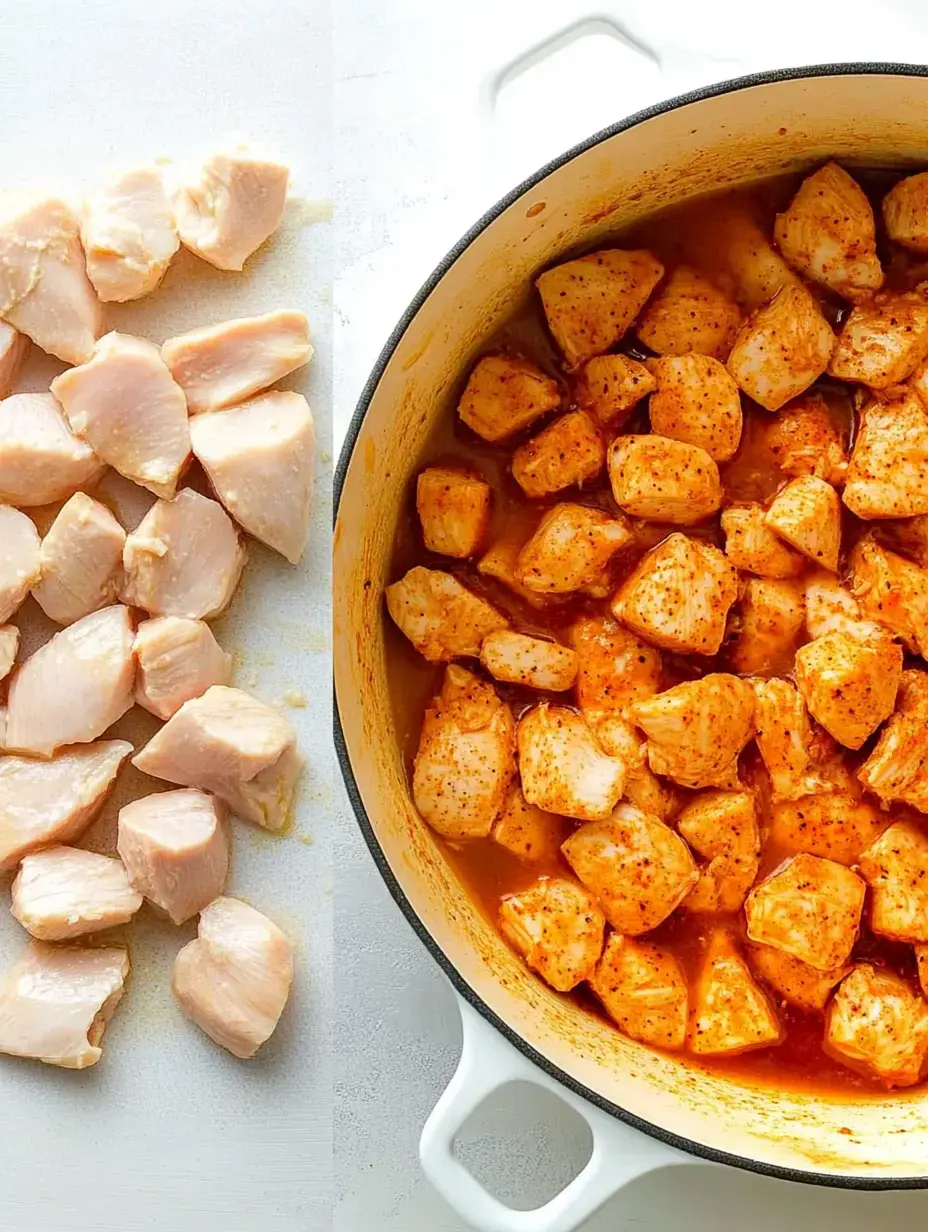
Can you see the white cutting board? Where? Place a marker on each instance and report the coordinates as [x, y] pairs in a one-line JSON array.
[[168, 1132]]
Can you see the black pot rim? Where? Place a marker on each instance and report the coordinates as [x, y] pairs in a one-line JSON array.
[[687, 1145]]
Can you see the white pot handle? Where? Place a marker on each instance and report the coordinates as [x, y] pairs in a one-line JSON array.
[[488, 1062]]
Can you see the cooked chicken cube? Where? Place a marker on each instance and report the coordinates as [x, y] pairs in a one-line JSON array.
[[183, 559], [730, 1013], [235, 202], [175, 848], [896, 869], [678, 596], [807, 514], [41, 460], [466, 757], [504, 394], [883, 341], [564, 769], [886, 476], [62, 892], [570, 548], [905, 212], [689, 314], [526, 830], [177, 659], [454, 510], [442, 618], [643, 990], [80, 559], [128, 234], [793, 979], [557, 928], [805, 440], [837, 825], [259, 459], [878, 1025], [897, 769], [501, 562], [615, 668], [781, 348], [891, 591], [784, 738], [234, 980], [56, 1001], [568, 452], [516, 658], [14, 347], [20, 559], [721, 826], [9, 645], [232, 745], [590, 303], [638, 868], [611, 386], [830, 608], [663, 480], [849, 686], [696, 401], [643, 788], [772, 614], [751, 545]]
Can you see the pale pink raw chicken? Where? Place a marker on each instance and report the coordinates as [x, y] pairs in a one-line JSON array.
[[232, 206], [81, 559], [63, 892], [14, 347], [128, 234], [20, 552], [178, 659], [41, 460], [9, 645]]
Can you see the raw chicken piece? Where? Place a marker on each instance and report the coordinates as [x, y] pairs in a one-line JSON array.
[[175, 846], [20, 559], [564, 769], [233, 205], [14, 347], [638, 868], [557, 928], [56, 1001], [805, 440], [643, 990], [849, 685], [772, 614], [259, 458], [678, 596], [183, 559], [75, 686], [891, 591], [570, 548], [44, 802], [721, 826], [232, 745], [128, 234], [454, 510], [504, 394], [689, 314], [526, 830], [886, 476], [751, 545], [616, 668], [81, 558], [730, 1013], [837, 825], [883, 341], [897, 769], [784, 738], [233, 981], [781, 348], [178, 659], [832, 609], [518, 659], [810, 908], [9, 645], [696, 401], [663, 480], [878, 1025], [905, 212], [41, 461], [590, 303], [610, 386], [896, 869], [793, 979], [441, 618], [807, 514], [567, 452], [63, 892], [125, 403]]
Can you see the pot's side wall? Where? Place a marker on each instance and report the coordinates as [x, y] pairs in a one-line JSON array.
[[694, 149]]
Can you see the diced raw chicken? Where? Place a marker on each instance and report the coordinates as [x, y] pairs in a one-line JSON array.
[[81, 559], [784, 738], [883, 341], [616, 668], [9, 645], [896, 869], [20, 559], [805, 440], [232, 745], [611, 386], [638, 868], [678, 596], [175, 846], [504, 394], [501, 562], [897, 769], [837, 825], [663, 480], [696, 401], [751, 545], [570, 548], [41, 460], [891, 591], [810, 908], [878, 1025], [63, 892], [849, 686], [235, 202], [772, 614], [807, 514], [183, 559], [905, 212], [259, 458], [128, 234], [75, 686], [721, 826], [887, 473], [178, 659], [697, 729], [56, 1001], [234, 980], [689, 314], [564, 769], [14, 347], [454, 510], [781, 348], [643, 990], [125, 403], [590, 303], [45, 802], [442, 618], [832, 609], [730, 1012], [519, 659], [793, 979], [526, 830], [568, 452], [557, 928]]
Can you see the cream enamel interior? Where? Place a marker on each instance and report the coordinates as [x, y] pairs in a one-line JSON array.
[[737, 136]]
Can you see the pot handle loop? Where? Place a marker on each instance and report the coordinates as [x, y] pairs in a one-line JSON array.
[[488, 1062]]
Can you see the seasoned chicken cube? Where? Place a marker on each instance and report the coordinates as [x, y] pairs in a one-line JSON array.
[[259, 460], [785, 741], [183, 559], [678, 596], [128, 234], [175, 847], [807, 514], [810, 908], [516, 658], [14, 347], [234, 980], [878, 1025], [611, 386], [564, 769], [62, 892], [568, 452], [41, 460], [889, 464], [590, 303], [501, 562], [526, 830], [730, 1013], [557, 928], [896, 869], [20, 559], [883, 341], [830, 608], [837, 825], [235, 202], [696, 401], [75, 686], [441, 618], [849, 686], [638, 868], [615, 668], [81, 558], [56, 1001], [721, 826], [466, 757], [643, 788], [232, 745], [570, 548], [905, 212], [177, 659], [663, 480], [795, 981], [891, 591], [643, 990], [504, 394], [9, 645], [454, 510], [781, 348], [751, 545], [689, 314], [897, 769], [697, 729], [805, 440], [772, 615]]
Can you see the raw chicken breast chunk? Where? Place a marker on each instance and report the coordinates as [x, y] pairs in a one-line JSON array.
[[14, 347], [178, 659], [526, 830], [807, 514], [128, 234], [81, 559], [20, 559], [41, 460], [9, 645], [63, 892]]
